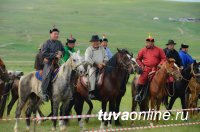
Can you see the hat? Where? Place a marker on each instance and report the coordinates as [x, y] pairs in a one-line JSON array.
[[150, 39], [54, 29], [184, 46], [171, 42], [94, 38], [71, 39], [104, 38]]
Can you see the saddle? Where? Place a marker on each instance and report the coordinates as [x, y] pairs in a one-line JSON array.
[[99, 81], [38, 74]]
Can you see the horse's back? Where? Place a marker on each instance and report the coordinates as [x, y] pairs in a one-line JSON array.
[[28, 84]]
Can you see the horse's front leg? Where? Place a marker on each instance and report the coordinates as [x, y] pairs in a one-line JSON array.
[[118, 101], [55, 114], [103, 106], [89, 102]]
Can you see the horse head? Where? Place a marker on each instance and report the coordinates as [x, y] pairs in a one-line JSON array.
[[195, 71], [136, 67], [124, 59], [3, 72], [173, 69], [77, 62]]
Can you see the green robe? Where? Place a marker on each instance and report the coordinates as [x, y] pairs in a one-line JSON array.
[[67, 54]]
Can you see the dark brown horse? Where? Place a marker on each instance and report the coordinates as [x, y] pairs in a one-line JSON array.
[[157, 87], [115, 71], [3, 81]]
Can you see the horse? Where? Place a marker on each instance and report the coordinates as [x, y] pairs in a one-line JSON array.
[[30, 88], [4, 78], [9, 87], [157, 88], [194, 87], [181, 87], [144, 104], [114, 74]]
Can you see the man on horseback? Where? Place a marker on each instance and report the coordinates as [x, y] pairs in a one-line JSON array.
[[96, 57], [149, 58], [170, 52], [70, 44], [50, 50], [104, 43], [186, 58]]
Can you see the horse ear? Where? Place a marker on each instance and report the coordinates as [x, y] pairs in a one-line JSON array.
[[132, 54], [119, 50]]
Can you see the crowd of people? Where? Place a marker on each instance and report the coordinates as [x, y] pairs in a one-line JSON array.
[[149, 58]]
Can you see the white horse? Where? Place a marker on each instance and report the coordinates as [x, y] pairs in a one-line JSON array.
[[30, 88]]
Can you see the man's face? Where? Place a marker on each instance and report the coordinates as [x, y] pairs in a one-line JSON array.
[[95, 44], [170, 46], [149, 44], [71, 45], [185, 49], [104, 44], [54, 35]]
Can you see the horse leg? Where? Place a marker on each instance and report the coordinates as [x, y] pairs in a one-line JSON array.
[[79, 108], [12, 102], [134, 105], [89, 102], [183, 103], [111, 109], [103, 106], [171, 103], [18, 112], [4, 98], [69, 108], [55, 114], [32, 102], [118, 101], [63, 113]]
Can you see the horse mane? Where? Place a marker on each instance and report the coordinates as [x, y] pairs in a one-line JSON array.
[[63, 66], [2, 63], [111, 64]]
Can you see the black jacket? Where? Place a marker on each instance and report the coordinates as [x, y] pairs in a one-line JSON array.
[[49, 49], [173, 54]]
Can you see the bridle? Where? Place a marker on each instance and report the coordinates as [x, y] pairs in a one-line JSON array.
[[192, 73]]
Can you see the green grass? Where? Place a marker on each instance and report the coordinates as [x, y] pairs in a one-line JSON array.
[[24, 25]]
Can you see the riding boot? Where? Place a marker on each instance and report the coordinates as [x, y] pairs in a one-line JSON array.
[[138, 96], [46, 78]]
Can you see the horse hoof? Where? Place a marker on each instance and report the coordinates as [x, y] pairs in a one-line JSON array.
[[53, 129], [132, 124], [28, 129], [87, 120], [102, 126], [110, 126], [118, 124], [151, 124], [63, 128]]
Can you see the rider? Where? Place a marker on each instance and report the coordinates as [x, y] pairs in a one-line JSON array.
[[70, 44], [96, 57], [50, 50], [104, 43], [186, 58], [170, 52], [39, 61], [149, 58]]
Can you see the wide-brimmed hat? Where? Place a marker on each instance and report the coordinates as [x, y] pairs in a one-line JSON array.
[[94, 38], [171, 42], [184, 46]]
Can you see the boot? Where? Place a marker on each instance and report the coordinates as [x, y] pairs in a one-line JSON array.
[[138, 96]]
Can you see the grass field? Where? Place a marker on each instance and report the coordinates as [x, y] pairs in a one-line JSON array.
[[24, 25]]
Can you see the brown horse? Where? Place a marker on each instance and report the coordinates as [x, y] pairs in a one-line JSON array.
[[194, 87], [115, 71], [157, 87], [3, 81]]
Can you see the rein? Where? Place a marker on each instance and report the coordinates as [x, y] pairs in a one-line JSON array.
[[192, 72]]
